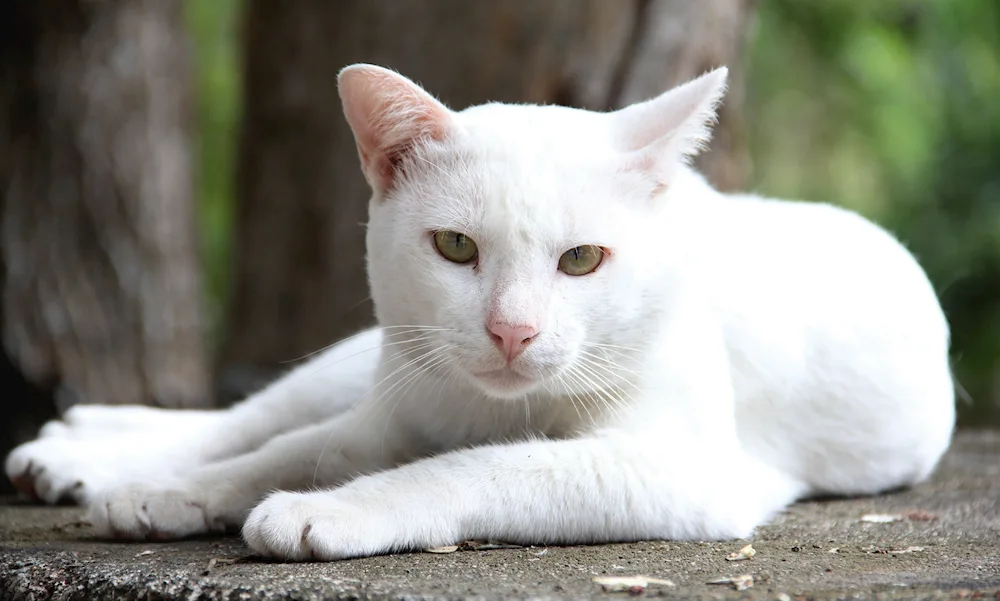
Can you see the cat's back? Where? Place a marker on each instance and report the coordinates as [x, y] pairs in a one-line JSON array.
[[838, 345], [812, 262]]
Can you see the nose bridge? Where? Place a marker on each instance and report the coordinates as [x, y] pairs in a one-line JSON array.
[[516, 300], [511, 302]]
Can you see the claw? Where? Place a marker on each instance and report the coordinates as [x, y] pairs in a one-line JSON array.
[[25, 485]]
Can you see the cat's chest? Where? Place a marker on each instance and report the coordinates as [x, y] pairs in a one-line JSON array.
[[491, 421]]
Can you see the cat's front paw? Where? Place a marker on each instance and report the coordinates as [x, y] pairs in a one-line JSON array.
[[318, 526], [164, 511]]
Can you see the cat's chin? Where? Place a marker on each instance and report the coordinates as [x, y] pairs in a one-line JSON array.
[[504, 383]]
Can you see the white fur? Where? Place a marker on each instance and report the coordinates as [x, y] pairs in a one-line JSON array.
[[731, 354]]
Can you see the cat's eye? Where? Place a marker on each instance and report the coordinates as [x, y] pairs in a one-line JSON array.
[[455, 246], [581, 260]]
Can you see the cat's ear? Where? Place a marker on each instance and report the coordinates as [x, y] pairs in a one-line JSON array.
[[666, 131], [389, 115]]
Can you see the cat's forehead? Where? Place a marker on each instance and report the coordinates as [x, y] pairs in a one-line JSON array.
[[506, 191], [550, 127], [519, 175]]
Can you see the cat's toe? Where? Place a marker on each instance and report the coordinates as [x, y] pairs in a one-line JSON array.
[[54, 470], [17, 467], [143, 512], [54, 486], [282, 526], [55, 429], [313, 527]]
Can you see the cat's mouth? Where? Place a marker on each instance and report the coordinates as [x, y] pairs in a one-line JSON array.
[[504, 380]]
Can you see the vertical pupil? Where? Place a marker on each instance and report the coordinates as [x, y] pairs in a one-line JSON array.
[[577, 253], [459, 240]]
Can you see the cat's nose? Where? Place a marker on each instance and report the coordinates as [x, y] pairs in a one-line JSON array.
[[511, 340]]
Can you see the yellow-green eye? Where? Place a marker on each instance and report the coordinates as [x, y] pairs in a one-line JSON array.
[[581, 260], [455, 246]]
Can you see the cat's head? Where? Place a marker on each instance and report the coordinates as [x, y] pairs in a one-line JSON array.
[[517, 243]]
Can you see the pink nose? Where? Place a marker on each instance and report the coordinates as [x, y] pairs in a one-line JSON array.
[[512, 340]]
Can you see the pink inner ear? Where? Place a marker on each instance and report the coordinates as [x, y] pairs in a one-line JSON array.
[[389, 115]]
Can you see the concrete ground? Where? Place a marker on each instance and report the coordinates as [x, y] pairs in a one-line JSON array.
[[943, 541]]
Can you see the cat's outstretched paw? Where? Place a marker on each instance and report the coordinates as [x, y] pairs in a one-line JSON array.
[[96, 449], [315, 526], [54, 469], [161, 512]]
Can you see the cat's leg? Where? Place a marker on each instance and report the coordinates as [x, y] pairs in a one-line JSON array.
[[97, 449], [218, 495], [615, 487]]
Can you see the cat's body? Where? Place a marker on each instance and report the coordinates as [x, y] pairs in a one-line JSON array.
[[727, 355]]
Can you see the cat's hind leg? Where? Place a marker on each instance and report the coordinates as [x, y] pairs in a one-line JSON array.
[[96, 449], [218, 495]]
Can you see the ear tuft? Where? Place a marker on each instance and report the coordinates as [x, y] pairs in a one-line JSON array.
[[389, 115], [667, 131]]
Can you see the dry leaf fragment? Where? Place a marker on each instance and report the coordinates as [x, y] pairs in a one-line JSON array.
[[881, 518], [745, 553], [478, 545], [144, 553], [907, 550], [920, 515], [740, 583], [633, 585], [218, 561], [446, 549]]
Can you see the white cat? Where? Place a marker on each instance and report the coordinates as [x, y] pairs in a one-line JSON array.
[[581, 341]]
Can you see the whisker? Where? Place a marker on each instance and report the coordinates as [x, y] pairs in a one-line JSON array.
[[594, 392], [611, 391], [612, 346], [369, 392], [414, 377], [330, 364], [583, 404], [587, 355], [413, 329], [612, 370]]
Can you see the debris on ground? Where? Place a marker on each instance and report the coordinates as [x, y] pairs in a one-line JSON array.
[[218, 561], [745, 553], [740, 583], [476, 545], [881, 518], [473, 545], [633, 585], [876, 550], [920, 515]]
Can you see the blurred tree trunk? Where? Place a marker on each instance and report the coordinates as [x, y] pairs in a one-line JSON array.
[[300, 273], [101, 279]]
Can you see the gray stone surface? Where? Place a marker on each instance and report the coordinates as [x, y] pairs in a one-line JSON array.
[[947, 545]]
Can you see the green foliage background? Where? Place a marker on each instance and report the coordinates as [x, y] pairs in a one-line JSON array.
[[891, 108]]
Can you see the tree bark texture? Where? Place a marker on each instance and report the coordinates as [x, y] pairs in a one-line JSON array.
[[101, 278], [300, 279]]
